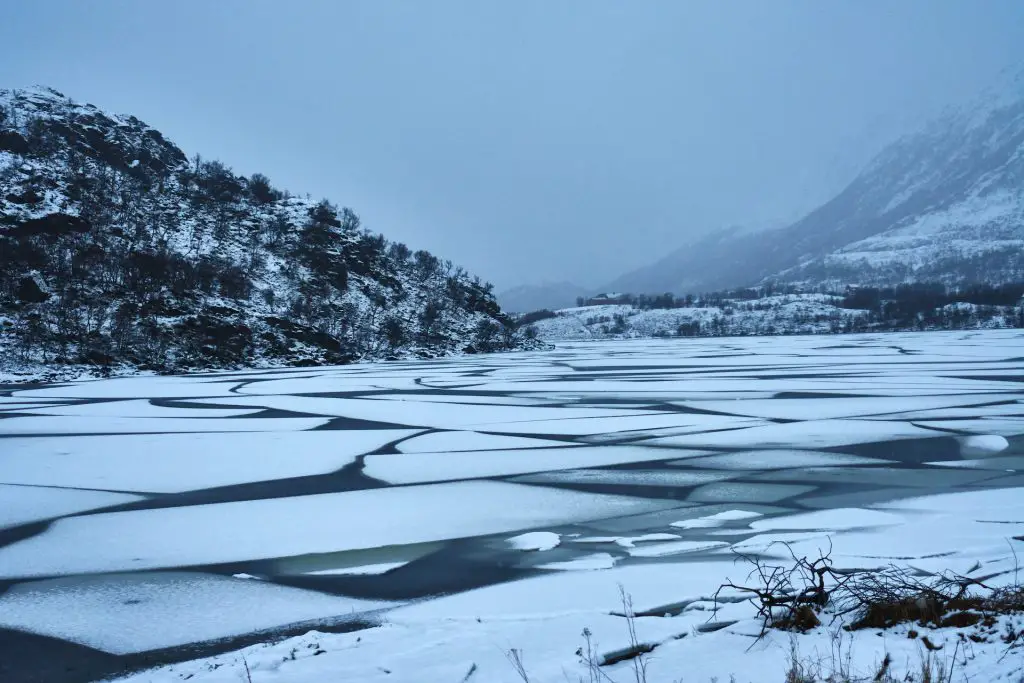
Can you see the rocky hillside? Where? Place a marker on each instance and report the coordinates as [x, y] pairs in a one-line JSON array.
[[945, 204], [118, 250]]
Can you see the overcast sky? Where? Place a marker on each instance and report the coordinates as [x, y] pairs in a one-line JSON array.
[[527, 140]]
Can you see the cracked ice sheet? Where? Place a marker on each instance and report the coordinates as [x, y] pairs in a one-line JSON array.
[[447, 442], [715, 520], [776, 459], [24, 406], [129, 613], [1003, 410], [410, 468], [811, 434], [535, 541], [830, 408], [264, 529], [171, 463], [1006, 426], [982, 445], [840, 519], [1007, 503], [591, 592], [626, 477], [137, 387], [584, 563], [359, 570], [324, 384], [1010, 463], [439, 415], [493, 400], [623, 425], [23, 504], [930, 532], [675, 548], [50, 426], [137, 408]]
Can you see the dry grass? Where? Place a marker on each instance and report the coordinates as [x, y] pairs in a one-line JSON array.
[[932, 669]]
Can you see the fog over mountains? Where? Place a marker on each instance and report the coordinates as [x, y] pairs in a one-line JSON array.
[[944, 204]]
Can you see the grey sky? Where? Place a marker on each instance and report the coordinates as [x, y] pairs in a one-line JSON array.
[[527, 140]]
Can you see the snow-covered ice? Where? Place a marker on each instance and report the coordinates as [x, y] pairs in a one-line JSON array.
[[281, 527], [168, 463], [478, 504], [535, 540], [985, 444], [147, 611], [715, 520], [674, 548], [24, 504], [409, 468]]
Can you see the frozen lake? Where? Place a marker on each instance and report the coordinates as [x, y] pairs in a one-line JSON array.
[[153, 519]]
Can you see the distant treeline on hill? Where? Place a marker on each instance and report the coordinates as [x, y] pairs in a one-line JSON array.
[[789, 309], [918, 297]]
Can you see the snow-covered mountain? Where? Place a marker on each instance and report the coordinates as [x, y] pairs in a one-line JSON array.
[[943, 204], [116, 249]]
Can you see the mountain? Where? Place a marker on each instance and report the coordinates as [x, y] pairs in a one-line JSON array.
[[704, 264], [550, 295], [943, 204], [117, 250]]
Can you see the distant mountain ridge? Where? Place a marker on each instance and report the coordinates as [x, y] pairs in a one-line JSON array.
[[550, 295], [117, 250], [943, 204]]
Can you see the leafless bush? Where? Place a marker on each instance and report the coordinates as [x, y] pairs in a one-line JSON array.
[[789, 596], [794, 594]]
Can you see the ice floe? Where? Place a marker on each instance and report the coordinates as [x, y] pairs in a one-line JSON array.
[[74, 426], [449, 441], [168, 463], [280, 527], [24, 504], [984, 444], [137, 612], [535, 540], [716, 520], [326, 478], [409, 468]]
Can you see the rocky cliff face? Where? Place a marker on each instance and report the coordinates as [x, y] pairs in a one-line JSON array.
[[116, 249]]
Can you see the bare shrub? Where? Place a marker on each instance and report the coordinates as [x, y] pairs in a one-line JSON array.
[[794, 594]]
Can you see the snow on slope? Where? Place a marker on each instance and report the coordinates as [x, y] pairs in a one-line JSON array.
[[943, 204], [116, 250], [791, 314]]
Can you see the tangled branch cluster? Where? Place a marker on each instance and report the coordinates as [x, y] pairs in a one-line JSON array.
[[793, 595]]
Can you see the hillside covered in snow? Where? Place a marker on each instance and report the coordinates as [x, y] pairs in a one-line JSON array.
[[117, 250], [765, 311], [945, 204]]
